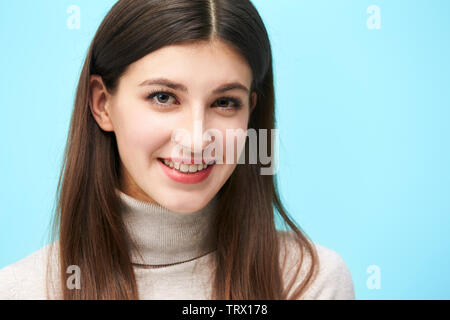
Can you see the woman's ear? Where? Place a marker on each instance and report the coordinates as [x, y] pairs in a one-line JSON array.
[[99, 102]]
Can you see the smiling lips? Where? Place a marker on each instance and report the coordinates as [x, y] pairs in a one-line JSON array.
[[183, 172], [184, 167]]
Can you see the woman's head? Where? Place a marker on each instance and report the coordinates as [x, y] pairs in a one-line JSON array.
[[119, 130], [199, 44], [145, 112]]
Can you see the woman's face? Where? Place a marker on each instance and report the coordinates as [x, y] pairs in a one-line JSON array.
[[145, 116]]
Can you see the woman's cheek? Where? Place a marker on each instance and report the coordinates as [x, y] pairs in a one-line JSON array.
[[144, 131]]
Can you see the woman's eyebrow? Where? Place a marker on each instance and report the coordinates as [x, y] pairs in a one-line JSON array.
[[177, 86]]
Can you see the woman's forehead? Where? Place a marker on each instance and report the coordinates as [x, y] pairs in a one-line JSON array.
[[214, 63]]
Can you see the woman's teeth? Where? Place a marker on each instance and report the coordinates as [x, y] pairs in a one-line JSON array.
[[185, 168]]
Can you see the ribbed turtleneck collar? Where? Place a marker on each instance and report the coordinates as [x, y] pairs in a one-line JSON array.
[[164, 237]]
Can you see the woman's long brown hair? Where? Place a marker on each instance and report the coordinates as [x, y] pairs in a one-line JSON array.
[[87, 218]]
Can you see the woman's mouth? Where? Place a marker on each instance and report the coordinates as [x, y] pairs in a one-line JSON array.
[[186, 173], [185, 168]]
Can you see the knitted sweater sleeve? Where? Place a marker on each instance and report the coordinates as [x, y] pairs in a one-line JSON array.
[[7, 283], [332, 281]]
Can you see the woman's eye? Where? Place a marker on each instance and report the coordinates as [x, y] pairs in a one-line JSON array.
[[228, 103], [161, 97]]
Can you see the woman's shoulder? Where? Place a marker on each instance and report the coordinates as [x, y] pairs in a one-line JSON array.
[[332, 280], [26, 278]]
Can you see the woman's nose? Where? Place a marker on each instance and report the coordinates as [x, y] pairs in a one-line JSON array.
[[193, 137]]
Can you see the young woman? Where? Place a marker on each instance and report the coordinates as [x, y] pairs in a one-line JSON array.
[[135, 222]]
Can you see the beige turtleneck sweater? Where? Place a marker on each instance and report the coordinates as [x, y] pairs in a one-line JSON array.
[[173, 257]]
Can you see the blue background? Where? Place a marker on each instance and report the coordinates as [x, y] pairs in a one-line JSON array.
[[363, 117]]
